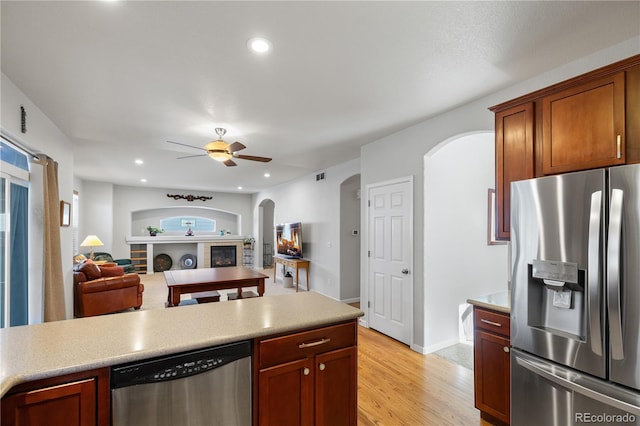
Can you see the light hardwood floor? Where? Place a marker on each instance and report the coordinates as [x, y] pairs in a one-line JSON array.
[[397, 386]]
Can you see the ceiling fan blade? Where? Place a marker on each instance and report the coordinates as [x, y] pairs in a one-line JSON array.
[[191, 156], [229, 163], [252, 158], [236, 146], [184, 144]]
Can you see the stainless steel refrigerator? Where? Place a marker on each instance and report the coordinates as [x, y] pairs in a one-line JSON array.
[[575, 299]]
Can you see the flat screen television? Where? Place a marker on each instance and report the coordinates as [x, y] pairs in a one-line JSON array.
[[289, 239]]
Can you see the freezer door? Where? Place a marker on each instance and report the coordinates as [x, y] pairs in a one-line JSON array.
[[544, 393], [623, 275], [557, 295]]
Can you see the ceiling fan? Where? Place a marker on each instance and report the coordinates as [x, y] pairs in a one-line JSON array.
[[223, 152]]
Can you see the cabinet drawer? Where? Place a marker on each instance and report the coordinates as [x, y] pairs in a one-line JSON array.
[[308, 343], [492, 321]]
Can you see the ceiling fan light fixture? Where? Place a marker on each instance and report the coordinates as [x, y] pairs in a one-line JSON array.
[[218, 150], [220, 156]]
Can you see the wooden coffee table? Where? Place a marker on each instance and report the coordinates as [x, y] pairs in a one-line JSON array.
[[185, 281]]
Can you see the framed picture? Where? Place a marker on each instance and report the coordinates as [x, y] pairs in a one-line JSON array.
[[65, 213], [491, 219]]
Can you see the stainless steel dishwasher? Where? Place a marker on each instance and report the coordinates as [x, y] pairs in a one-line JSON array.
[[205, 387]]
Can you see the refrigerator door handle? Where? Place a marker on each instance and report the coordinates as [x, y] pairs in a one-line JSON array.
[[613, 274], [593, 273], [545, 370]]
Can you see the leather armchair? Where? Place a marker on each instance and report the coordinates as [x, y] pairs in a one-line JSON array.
[[104, 289], [126, 264]]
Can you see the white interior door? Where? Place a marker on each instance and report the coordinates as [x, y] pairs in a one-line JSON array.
[[390, 255]]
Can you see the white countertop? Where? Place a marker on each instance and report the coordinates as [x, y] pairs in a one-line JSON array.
[[500, 302], [52, 349]]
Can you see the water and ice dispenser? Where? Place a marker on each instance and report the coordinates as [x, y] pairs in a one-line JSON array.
[[556, 297]]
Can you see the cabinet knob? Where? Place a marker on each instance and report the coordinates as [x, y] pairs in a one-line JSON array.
[[506, 349], [306, 371], [322, 366]]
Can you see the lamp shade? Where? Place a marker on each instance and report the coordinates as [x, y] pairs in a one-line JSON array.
[[91, 241]]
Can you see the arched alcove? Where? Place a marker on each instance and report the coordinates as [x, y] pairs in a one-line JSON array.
[[458, 262], [225, 221]]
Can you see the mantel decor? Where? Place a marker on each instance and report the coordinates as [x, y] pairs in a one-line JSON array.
[[189, 197], [153, 231]]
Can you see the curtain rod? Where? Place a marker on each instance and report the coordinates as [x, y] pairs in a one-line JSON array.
[[9, 139]]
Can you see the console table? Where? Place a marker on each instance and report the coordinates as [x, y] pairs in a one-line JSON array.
[[292, 263]]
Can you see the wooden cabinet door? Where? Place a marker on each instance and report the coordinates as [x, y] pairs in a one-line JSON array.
[[285, 394], [514, 159], [68, 404], [335, 388], [492, 374], [584, 127]]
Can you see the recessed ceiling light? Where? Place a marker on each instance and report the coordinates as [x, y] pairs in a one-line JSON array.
[[143, 180], [139, 161], [267, 174], [239, 187], [259, 45]]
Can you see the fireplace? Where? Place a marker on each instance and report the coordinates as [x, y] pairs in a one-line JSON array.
[[222, 256]]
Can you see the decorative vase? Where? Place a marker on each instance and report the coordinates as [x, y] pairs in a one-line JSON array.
[[152, 233], [189, 233]]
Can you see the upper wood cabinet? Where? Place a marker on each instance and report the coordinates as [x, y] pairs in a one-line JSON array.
[[583, 127], [587, 122], [514, 158]]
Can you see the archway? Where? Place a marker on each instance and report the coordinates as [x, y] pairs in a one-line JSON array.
[[458, 262], [350, 239], [265, 237]]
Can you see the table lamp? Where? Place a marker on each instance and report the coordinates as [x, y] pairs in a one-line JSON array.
[[91, 241]]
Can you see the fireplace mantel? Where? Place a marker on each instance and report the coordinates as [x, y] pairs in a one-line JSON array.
[[203, 246], [168, 239]]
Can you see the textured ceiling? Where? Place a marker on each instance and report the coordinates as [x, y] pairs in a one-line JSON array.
[[131, 75]]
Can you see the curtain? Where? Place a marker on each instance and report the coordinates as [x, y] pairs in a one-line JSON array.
[[54, 309], [19, 279]]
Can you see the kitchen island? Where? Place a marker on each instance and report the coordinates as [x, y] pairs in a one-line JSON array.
[[44, 351]]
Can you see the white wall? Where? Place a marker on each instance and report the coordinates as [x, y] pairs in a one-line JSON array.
[[402, 153], [96, 214], [41, 136], [458, 262], [107, 210], [317, 206]]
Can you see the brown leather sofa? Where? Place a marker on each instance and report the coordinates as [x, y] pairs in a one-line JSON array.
[[104, 289]]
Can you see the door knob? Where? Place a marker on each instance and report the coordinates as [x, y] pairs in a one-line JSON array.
[[405, 271]]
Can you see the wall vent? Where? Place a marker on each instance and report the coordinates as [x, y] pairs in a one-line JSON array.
[[320, 176]]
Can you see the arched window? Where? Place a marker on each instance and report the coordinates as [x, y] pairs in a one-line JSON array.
[[183, 224]]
